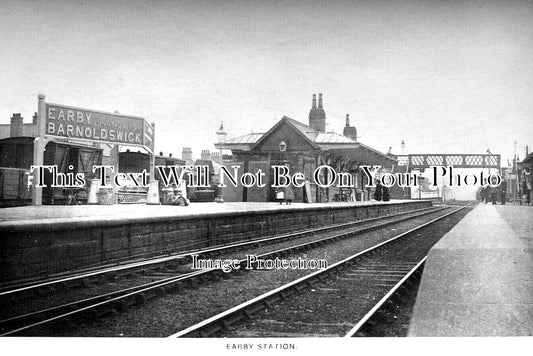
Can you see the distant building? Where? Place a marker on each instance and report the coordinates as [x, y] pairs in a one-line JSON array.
[[17, 128], [186, 156]]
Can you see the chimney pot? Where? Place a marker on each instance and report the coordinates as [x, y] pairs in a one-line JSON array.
[[16, 125], [186, 154]]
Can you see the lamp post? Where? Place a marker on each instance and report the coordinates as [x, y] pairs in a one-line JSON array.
[[514, 170], [489, 159], [221, 134], [282, 195]]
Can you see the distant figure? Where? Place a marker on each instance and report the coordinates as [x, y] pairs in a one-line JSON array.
[[486, 194], [503, 191], [481, 193], [386, 194], [493, 193], [526, 191], [378, 192]]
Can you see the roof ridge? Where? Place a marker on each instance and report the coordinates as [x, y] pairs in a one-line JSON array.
[[299, 123]]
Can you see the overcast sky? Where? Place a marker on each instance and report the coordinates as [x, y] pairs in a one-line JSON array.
[[445, 76]]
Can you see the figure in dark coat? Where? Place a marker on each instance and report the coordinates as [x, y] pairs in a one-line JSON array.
[[526, 191], [503, 191], [486, 196], [379, 191], [481, 196], [386, 193], [493, 192], [493, 195]]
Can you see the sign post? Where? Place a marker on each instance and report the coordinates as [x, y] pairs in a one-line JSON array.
[[149, 142], [38, 151]]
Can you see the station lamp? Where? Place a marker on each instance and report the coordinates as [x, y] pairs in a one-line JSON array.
[[221, 134]]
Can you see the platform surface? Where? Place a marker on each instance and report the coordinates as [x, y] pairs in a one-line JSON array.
[[478, 279], [61, 213]]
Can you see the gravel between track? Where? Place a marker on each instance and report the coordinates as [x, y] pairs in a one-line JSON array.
[[332, 308]]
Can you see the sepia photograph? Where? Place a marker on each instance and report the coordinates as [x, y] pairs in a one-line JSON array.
[[266, 177]]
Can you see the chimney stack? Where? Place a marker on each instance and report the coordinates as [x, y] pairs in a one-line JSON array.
[[186, 154], [206, 155], [349, 131], [16, 125], [215, 157], [317, 116]]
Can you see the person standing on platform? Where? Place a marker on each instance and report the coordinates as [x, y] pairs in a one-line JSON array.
[[386, 193], [503, 191], [526, 191], [486, 194], [481, 193], [378, 193], [493, 193]]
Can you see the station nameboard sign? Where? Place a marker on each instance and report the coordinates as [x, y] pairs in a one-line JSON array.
[[65, 121]]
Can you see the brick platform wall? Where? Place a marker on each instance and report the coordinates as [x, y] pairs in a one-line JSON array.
[[51, 248]]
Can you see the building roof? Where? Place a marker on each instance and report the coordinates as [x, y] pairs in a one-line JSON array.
[[332, 137], [529, 158], [245, 139], [307, 131]]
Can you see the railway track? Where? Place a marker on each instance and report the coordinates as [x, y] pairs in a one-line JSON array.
[[170, 266], [337, 301], [86, 277], [119, 300], [385, 310]]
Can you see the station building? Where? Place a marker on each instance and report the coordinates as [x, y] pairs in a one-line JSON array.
[[303, 148]]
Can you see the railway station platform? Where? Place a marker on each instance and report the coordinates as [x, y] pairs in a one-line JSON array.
[[78, 213], [478, 279], [53, 239]]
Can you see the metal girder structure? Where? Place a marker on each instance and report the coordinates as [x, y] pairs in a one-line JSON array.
[[422, 161]]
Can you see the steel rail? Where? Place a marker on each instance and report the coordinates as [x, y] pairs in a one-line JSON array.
[[95, 299], [90, 307], [223, 320], [383, 300]]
